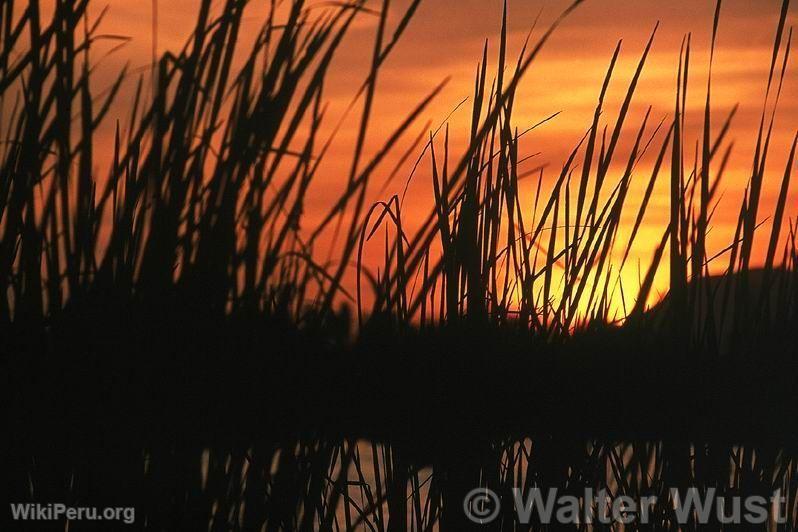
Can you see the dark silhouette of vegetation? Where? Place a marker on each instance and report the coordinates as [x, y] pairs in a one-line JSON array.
[[171, 340]]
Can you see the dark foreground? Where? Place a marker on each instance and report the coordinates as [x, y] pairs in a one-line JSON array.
[[128, 407]]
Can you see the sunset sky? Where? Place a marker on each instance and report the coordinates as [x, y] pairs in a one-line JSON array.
[[445, 39]]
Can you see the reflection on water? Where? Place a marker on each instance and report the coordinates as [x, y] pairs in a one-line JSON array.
[[299, 485]]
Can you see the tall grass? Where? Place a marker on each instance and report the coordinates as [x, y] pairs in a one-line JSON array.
[[181, 303]]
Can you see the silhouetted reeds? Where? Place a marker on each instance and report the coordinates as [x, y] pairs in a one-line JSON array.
[[174, 340]]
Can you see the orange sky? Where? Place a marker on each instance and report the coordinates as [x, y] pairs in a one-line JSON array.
[[446, 38]]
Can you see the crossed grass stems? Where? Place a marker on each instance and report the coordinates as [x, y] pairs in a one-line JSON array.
[[205, 197]]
